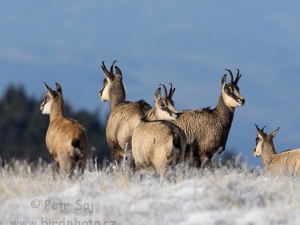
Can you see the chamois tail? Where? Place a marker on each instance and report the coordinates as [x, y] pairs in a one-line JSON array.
[[76, 150]]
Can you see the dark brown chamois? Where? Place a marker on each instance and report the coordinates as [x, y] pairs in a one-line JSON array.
[[207, 129]]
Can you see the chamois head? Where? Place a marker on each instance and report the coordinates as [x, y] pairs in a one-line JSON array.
[[111, 81], [263, 139], [231, 92], [51, 97], [164, 107]]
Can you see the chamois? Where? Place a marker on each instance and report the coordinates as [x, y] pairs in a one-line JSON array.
[[207, 129], [123, 114], [287, 161], [66, 139], [157, 142]]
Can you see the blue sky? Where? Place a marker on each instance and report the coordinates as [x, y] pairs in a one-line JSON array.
[[188, 43]]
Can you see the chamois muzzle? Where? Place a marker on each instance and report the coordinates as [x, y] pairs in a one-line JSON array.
[[176, 115], [242, 101]]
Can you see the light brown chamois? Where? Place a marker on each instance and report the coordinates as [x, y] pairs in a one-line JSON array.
[[157, 142], [284, 162], [66, 139], [207, 129], [123, 115]]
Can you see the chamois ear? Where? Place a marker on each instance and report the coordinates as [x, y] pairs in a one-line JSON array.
[[58, 88], [49, 90], [157, 95], [275, 132], [223, 81], [118, 71]]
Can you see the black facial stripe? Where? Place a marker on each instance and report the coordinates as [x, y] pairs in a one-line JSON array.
[[101, 91], [230, 92], [46, 98]]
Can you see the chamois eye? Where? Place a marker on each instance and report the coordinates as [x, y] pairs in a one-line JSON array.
[[162, 104], [46, 98], [104, 82]]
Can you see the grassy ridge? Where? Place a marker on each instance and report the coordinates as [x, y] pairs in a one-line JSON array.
[[220, 195]]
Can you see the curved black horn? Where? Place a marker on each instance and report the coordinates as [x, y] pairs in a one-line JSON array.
[[103, 65], [165, 90], [231, 75], [258, 127], [172, 90], [112, 66], [106, 72], [238, 76]]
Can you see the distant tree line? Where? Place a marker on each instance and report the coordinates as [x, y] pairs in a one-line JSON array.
[[23, 127]]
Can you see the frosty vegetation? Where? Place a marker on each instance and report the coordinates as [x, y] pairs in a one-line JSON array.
[[231, 194]]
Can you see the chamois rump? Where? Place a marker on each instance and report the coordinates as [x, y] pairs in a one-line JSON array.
[[66, 139], [123, 115], [157, 142], [207, 129], [284, 162]]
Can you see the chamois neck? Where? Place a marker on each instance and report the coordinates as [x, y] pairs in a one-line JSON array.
[[57, 110], [150, 115], [267, 153], [117, 94], [224, 111]]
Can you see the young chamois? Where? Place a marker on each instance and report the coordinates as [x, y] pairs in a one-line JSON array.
[[123, 114], [66, 139], [207, 129], [157, 142], [287, 161]]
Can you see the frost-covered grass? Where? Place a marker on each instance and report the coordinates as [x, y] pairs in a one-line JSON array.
[[222, 195]]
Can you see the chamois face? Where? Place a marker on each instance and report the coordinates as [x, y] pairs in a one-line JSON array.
[[49, 98], [108, 82], [165, 109], [104, 92], [262, 140], [231, 92]]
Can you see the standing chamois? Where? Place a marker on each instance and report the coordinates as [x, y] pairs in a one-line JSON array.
[[157, 142], [207, 129], [123, 114], [284, 162], [66, 139]]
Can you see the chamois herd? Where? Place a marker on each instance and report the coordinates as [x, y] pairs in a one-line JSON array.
[[157, 137]]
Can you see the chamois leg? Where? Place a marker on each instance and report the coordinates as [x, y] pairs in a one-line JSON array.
[[55, 168], [81, 166], [197, 160], [117, 156]]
